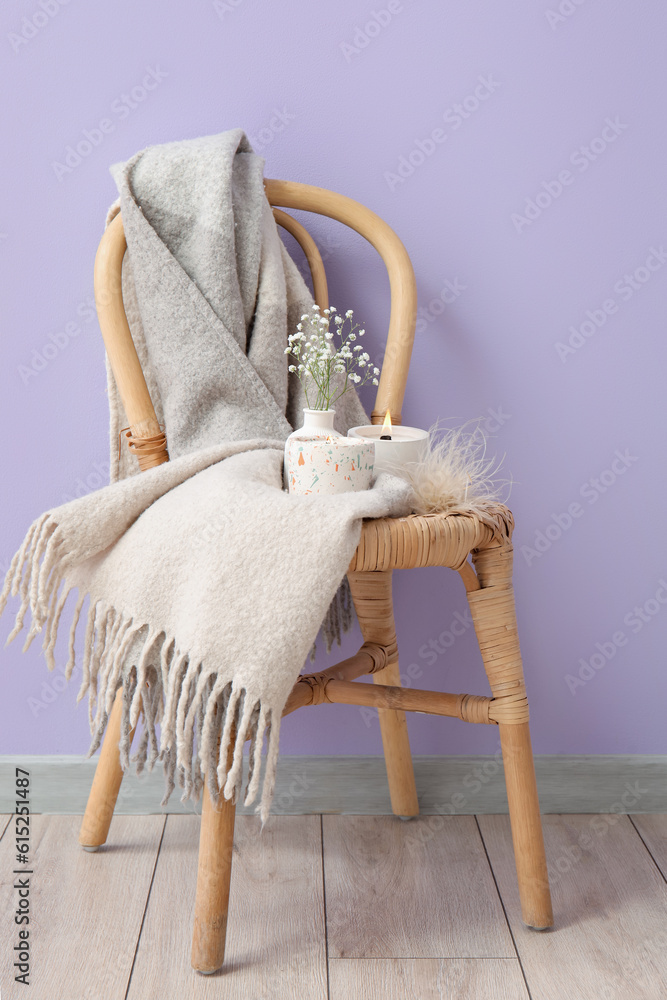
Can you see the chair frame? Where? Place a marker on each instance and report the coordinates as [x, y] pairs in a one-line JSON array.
[[386, 544]]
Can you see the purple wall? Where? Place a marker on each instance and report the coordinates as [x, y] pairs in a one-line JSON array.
[[519, 152]]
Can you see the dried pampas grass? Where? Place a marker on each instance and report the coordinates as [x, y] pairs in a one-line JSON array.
[[455, 475]]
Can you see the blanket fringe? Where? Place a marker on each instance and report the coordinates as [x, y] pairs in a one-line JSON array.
[[205, 719], [338, 619]]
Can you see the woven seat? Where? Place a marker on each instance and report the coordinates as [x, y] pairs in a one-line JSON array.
[[427, 540], [386, 544]]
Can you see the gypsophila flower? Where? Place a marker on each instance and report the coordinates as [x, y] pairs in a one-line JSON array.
[[322, 366]]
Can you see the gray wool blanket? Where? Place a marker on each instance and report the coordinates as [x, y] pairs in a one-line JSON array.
[[200, 585]]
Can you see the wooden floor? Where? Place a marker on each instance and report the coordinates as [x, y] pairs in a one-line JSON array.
[[343, 908]]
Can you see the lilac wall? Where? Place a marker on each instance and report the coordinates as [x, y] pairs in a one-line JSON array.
[[446, 119]]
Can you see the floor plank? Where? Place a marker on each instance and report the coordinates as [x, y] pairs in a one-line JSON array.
[[427, 979], [4, 823], [86, 909], [610, 906], [410, 890], [275, 941], [653, 831]]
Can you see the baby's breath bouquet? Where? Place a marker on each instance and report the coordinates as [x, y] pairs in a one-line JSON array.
[[326, 360]]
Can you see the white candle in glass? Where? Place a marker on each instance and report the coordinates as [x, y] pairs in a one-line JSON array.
[[395, 446]]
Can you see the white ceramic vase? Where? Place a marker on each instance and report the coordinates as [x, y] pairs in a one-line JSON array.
[[320, 460]]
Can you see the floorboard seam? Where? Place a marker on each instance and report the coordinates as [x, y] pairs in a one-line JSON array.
[[502, 903], [648, 849], [428, 958], [143, 916], [6, 827], [324, 903]]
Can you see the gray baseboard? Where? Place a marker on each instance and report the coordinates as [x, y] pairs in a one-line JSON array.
[[356, 784]]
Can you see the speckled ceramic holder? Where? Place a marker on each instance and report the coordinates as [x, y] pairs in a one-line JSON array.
[[329, 465]]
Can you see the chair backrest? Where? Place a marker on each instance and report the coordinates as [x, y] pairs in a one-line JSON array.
[[145, 431]]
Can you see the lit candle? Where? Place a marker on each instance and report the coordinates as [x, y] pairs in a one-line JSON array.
[[396, 446], [386, 427]]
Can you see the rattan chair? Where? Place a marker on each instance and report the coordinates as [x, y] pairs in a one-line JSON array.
[[386, 545]]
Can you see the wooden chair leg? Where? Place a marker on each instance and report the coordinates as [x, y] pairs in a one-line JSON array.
[[371, 592], [106, 784], [526, 823], [492, 609], [216, 846]]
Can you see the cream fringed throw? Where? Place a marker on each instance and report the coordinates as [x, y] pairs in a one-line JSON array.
[[205, 582]]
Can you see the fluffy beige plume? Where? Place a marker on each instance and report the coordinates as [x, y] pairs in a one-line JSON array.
[[455, 475]]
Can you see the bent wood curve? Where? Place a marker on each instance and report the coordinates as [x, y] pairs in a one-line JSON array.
[[402, 284], [313, 256]]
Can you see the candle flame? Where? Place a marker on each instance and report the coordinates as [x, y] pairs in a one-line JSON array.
[[386, 423]]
